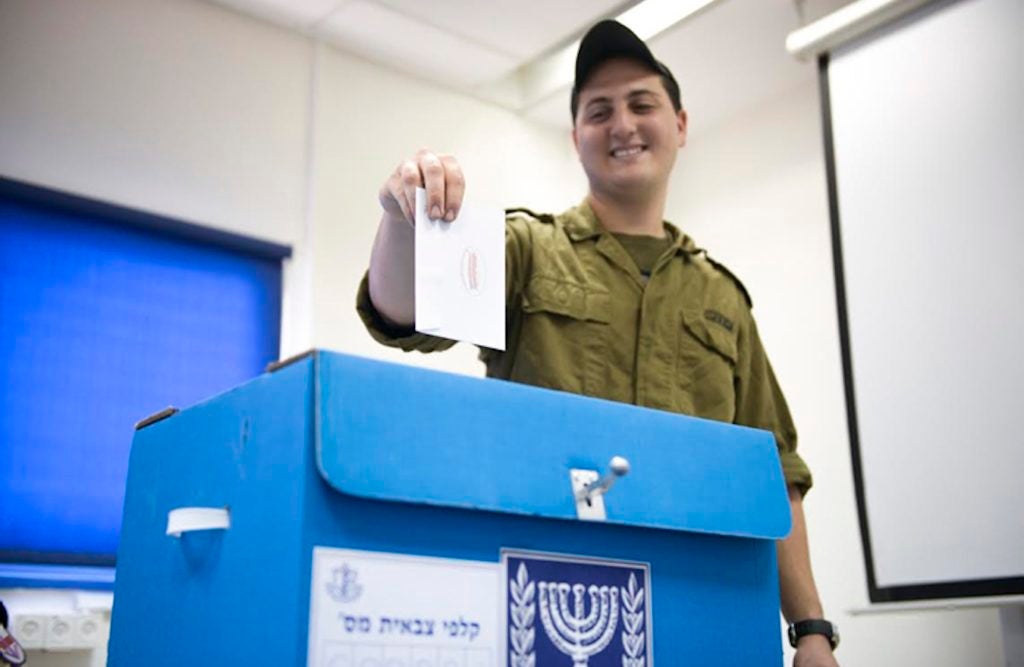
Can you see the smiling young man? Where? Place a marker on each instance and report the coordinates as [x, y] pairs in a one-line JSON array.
[[609, 300]]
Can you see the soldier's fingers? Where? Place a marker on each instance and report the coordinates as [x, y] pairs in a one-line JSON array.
[[455, 187], [409, 174], [408, 208], [392, 196], [434, 183], [397, 193]]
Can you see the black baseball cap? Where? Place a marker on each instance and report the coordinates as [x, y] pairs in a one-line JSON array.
[[610, 39]]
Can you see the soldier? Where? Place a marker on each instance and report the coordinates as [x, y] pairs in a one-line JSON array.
[[609, 300]]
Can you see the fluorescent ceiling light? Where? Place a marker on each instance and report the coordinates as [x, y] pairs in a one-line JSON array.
[[846, 24], [555, 73], [651, 17]]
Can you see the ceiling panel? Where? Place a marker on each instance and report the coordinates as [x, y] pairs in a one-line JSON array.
[[295, 14], [733, 56], [521, 28], [383, 35], [727, 58]]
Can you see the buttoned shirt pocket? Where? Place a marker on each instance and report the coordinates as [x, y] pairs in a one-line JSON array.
[[706, 363], [564, 334]]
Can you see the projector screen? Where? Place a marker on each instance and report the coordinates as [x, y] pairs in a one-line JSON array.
[[926, 167]]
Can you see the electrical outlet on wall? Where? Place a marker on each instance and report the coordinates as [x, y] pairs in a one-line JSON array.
[[59, 633], [86, 630], [30, 630]]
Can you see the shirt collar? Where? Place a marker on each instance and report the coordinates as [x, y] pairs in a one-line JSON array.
[[581, 224]]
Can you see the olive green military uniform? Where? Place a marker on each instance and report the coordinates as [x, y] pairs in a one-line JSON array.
[[583, 318]]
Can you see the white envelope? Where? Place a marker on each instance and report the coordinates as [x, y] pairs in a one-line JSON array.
[[460, 275]]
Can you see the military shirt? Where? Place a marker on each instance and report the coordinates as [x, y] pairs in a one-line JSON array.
[[581, 318]]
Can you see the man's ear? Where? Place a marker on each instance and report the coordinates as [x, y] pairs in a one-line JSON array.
[[575, 139], [681, 127]]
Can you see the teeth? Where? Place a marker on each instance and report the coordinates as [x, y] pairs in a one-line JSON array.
[[627, 152]]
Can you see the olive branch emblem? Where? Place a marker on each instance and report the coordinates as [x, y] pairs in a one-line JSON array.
[[633, 621], [522, 609]]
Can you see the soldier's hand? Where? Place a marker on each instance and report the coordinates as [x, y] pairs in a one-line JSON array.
[[814, 651], [440, 175]]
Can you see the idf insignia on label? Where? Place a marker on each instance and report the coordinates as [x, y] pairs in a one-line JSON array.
[[576, 612]]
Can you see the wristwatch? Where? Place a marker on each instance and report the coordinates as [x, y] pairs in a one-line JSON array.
[[814, 626]]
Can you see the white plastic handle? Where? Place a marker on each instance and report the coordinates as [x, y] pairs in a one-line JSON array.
[[188, 519]]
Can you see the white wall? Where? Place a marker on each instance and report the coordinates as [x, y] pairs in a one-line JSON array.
[[753, 192], [172, 107]]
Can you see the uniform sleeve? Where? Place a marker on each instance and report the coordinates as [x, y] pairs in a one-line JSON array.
[[407, 339], [760, 404]]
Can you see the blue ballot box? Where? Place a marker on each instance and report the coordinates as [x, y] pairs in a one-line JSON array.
[[342, 511]]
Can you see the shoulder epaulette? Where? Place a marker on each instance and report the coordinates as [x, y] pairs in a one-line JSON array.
[[543, 217], [723, 269]]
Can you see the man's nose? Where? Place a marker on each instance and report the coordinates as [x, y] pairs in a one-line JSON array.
[[623, 123]]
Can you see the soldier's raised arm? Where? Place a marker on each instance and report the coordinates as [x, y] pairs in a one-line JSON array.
[[391, 280]]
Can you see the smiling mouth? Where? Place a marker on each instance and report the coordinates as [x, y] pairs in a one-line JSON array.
[[628, 151]]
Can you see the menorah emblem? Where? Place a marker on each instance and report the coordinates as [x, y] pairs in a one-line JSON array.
[[594, 612], [579, 633]]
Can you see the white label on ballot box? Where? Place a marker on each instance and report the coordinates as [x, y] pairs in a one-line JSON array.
[[370, 609]]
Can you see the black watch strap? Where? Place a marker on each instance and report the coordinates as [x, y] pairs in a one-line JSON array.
[[814, 626]]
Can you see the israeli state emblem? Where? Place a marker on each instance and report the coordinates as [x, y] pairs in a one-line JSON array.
[[576, 612]]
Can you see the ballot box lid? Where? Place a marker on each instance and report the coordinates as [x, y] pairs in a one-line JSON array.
[[397, 433]]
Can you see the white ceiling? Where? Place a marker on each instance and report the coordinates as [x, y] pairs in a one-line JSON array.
[[727, 57]]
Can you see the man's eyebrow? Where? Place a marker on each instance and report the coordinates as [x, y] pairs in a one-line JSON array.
[[597, 100], [641, 92]]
